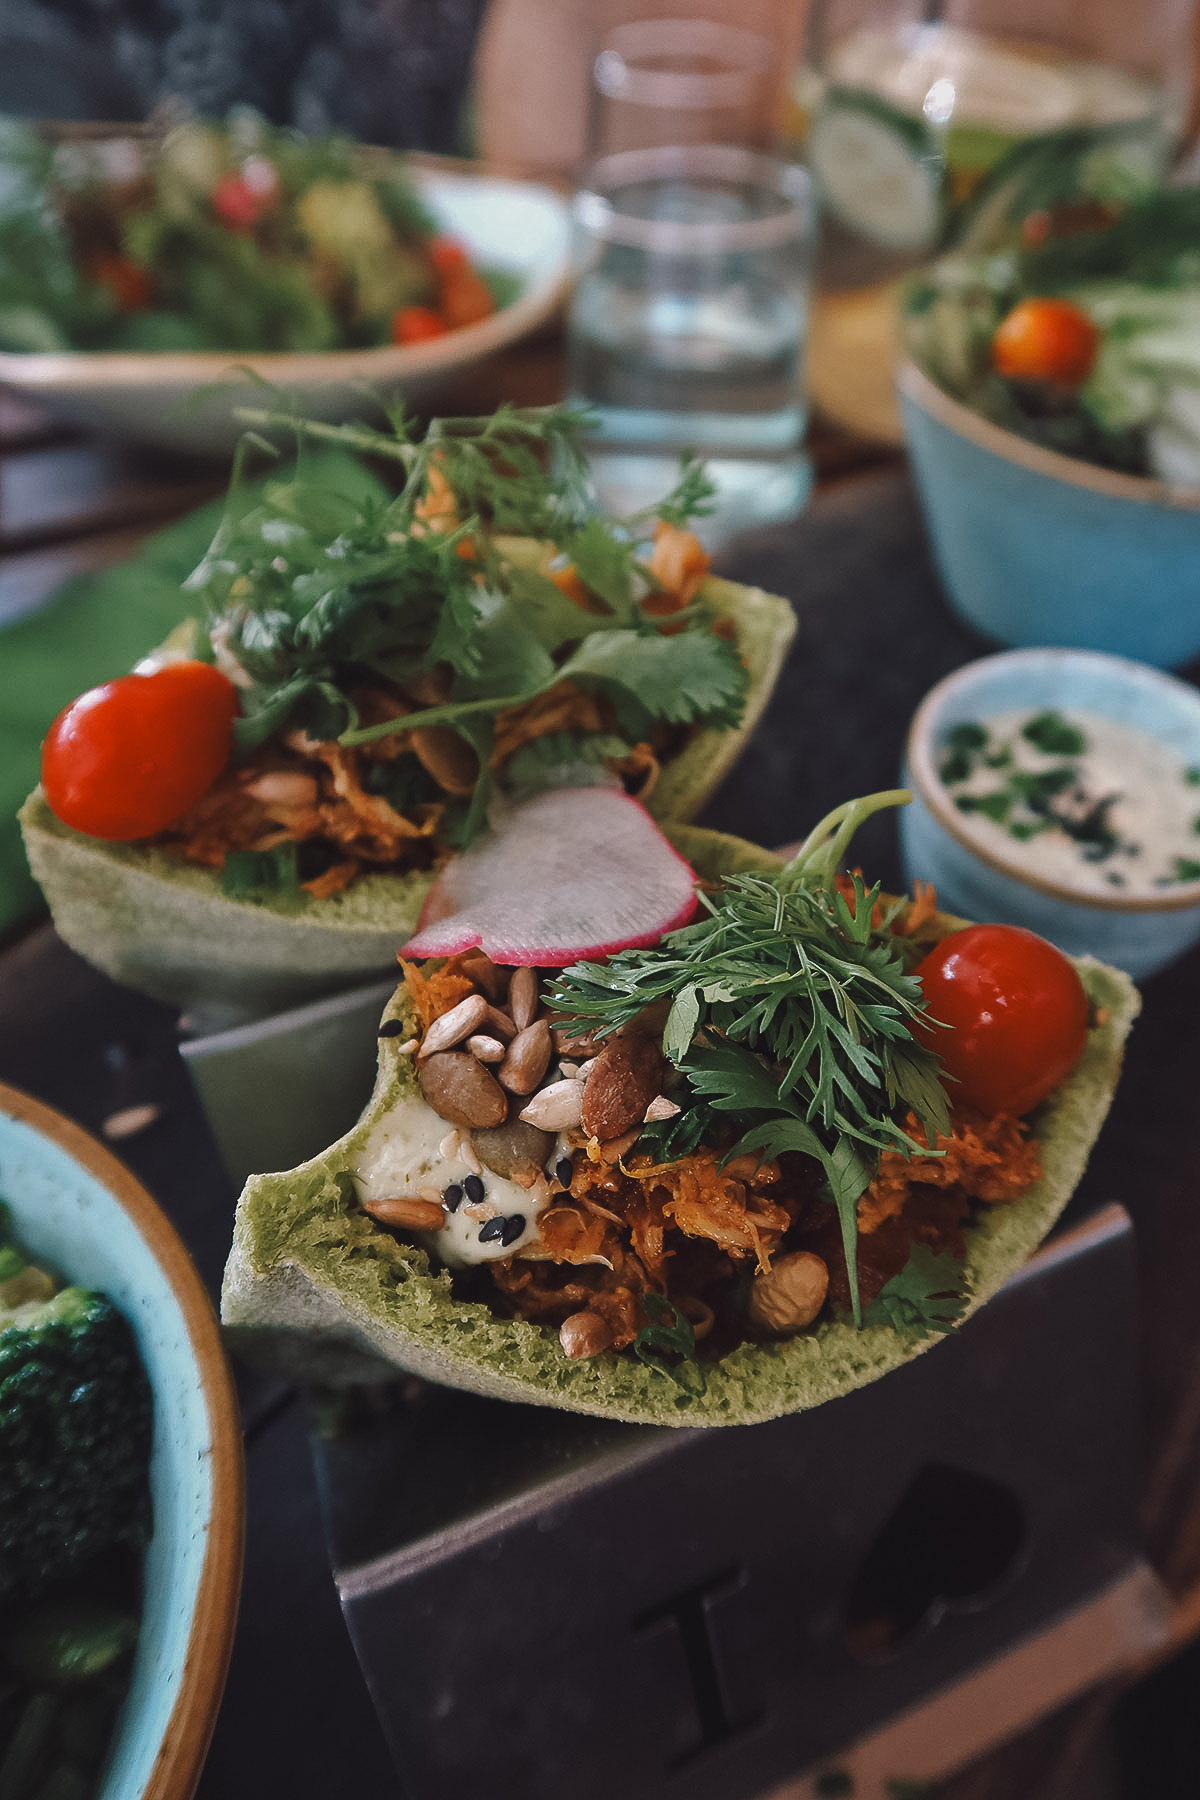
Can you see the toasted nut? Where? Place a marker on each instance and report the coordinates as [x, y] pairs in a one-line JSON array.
[[447, 757], [461, 1091], [486, 1049], [498, 1024], [284, 787], [585, 1334], [527, 1060], [466, 1149], [625, 1077], [571, 1039], [790, 1294], [453, 1026], [512, 1148], [558, 1107], [130, 1120], [616, 1148], [487, 975], [662, 1108], [409, 1215], [523, 998]]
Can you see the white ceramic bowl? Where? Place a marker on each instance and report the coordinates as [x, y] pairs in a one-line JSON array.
[[1137, 933], [515, 226], [79, 1211]]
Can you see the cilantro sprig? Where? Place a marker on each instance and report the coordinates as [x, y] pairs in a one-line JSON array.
[[314, 586], [789, 1012]]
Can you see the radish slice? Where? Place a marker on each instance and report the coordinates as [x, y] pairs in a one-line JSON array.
[[576, 872]]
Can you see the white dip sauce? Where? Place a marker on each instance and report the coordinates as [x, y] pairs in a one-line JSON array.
[[402, 1159], [1077, 799]]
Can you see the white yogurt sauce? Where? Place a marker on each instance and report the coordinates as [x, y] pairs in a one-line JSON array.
[[1149, 801], [402, 1159]]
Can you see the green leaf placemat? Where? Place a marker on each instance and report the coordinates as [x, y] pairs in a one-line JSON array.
[[95, 628]]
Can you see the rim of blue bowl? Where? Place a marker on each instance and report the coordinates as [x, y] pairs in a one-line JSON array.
[[184, 1744], [924, 778], [916, 386]]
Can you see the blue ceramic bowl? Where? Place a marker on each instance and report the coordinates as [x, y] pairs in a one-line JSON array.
[[1137, 933], [1036, 548], [79, 1211]]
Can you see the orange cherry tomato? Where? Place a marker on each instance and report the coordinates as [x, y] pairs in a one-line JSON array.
[[465, 297], [446, 253], [1046, 340], [417, 325], [1017, 1012], [125, 759]]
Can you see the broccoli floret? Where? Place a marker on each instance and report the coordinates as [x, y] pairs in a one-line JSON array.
[[75, 1425]]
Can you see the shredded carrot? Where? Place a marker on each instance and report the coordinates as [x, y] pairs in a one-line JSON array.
[[678, 564], [435, 994]]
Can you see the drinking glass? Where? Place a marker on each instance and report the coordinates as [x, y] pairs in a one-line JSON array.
[[907, 112], [687, 326], [669, 81]]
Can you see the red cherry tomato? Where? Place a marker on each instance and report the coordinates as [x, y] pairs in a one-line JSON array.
[[241, 197], [125, 759], [417, 325], [1046, 340], [1018, 1015]]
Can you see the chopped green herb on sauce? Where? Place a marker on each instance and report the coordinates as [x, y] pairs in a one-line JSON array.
[[1098, 804]]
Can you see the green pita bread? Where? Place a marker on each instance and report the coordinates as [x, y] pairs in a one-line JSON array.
[[164, 927], [315, 1290]]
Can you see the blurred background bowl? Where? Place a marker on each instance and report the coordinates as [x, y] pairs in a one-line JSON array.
[[1138, 933], [517, 227], [77, 1210], [1037, 548]]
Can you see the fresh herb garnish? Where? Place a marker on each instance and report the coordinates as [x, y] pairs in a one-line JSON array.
[[790, 1010], [1051, 733], [315, 589], [929, 1295], [254, 874], [1031, 801], [669, 1335]]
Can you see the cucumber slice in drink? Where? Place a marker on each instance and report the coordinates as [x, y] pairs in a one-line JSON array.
[[879, 171]]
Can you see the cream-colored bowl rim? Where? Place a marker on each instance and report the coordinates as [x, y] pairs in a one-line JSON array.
[[184, 1743], [916, 386], [922, 769]]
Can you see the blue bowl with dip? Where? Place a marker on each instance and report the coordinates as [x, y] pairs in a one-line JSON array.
[[1085, 892], [79, 1212], [1037, 548]]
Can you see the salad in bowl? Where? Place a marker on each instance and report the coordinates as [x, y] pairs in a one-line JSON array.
[[148, 276], [1068, 313], [230, 235]]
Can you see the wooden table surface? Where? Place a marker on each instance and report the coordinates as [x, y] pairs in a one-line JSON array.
[[874, 634]]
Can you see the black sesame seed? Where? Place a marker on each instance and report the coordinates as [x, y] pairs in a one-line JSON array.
[[391, 1028], [452, 1197], [473, 1188], [495, 1228], [514, 1225], [564, 1171]]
